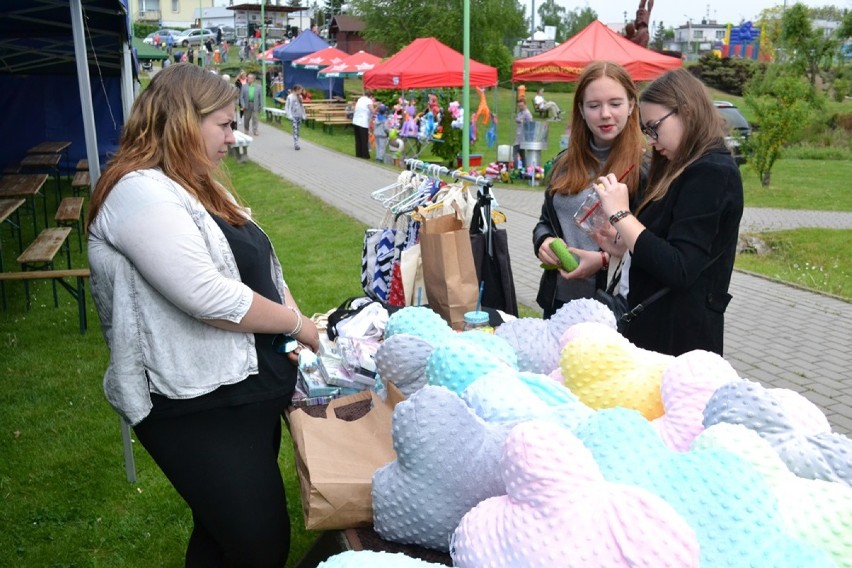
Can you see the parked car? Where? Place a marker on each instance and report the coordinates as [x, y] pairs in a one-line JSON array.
[[194, 37], [738, 128], [229, 34], [149, 39]]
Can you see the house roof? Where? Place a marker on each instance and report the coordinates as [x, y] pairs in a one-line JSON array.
[[344, 23]]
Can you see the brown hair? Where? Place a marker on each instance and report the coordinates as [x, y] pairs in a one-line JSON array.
[[163, 131], [703, 128], [576, 168]]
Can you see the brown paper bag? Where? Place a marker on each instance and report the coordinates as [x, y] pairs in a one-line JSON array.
[[448, 269], [411, 267], [336, 460]]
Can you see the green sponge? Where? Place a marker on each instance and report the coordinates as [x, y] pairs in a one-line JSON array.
[[566, 259]]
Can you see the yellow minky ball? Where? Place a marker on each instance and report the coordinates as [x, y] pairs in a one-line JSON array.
[[605, 370]]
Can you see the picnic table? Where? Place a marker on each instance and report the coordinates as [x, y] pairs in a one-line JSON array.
[[52, 147], [26, 186]]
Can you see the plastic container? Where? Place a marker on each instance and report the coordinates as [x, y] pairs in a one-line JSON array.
[[477, 321], [504, 153], [590, 216]]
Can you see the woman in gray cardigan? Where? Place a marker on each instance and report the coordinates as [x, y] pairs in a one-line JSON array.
[[193, 304]]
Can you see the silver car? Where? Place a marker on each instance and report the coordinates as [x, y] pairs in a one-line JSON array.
[[149, 39], [194, 37]]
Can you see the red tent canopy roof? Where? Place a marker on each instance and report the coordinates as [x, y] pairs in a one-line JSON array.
[[595, 42], [354, 65], [321, 58], [427, 63]]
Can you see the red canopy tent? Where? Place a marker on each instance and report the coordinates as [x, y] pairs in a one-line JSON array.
[[427, 63], [595, 42], [353, 66], [320, 59]]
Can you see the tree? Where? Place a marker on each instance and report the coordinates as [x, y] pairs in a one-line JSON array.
[[805, 47], [495, 25], [577, 19], [783, 105], [661, 34], [552, 14]]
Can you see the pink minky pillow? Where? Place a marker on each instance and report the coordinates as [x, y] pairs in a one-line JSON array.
[[560, 511]]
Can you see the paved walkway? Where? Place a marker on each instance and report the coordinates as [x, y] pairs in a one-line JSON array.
[[779, 335]]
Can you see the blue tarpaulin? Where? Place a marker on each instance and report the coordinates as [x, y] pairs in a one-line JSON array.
[[305, 43]]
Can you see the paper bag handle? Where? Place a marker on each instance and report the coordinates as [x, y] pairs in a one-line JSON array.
[[343, 401]]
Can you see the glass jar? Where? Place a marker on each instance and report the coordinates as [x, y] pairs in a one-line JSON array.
[[478, 321]]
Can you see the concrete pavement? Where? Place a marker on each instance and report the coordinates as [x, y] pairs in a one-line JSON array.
[[779, 335]]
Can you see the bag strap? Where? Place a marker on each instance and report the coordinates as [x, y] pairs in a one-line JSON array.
[[640, 307]]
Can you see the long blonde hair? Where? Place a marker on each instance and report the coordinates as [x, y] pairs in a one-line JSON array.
[[703, 128], [575, 169], [164, 131]]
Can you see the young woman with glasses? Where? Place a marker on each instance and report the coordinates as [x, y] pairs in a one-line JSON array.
[[682, 236]]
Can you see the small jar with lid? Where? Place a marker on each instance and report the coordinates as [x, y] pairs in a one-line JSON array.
[[477, 321]]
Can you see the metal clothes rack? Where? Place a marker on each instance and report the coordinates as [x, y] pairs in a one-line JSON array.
[[483, 196]]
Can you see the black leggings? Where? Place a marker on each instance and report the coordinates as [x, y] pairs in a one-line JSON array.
[[224, 463]]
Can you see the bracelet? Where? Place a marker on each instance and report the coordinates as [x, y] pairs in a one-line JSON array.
[[298, 327], [604, 261], [618, 216]]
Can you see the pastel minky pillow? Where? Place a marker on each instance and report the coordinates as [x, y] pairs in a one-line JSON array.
[[457, 362], [813, 511], [402, 361], [688, 383], [447, 462], [793, 426], [371, 559], [605, 370], [419, 321], [536, 341], [560, 511], [723, 498], [504, 395]]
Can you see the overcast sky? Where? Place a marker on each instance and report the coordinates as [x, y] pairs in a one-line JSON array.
[[674, 13]]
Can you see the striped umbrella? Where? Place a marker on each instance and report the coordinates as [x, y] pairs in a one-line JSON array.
[[320, 59], [353, 66]]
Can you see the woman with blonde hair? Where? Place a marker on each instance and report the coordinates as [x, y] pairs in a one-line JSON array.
[[682, 235], [202, 329], [605, 138]]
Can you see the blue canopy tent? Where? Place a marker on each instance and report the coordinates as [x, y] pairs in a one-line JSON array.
[[48, 91], [305, 43]]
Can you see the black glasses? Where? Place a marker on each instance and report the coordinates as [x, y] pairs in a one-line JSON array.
[[651, 129], [234, 125]]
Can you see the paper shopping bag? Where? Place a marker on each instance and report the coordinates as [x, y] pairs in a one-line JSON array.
[[448, 269], [411, 266], [336, 458]]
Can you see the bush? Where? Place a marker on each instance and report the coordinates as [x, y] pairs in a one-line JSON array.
[[729, 74], [142, 29]]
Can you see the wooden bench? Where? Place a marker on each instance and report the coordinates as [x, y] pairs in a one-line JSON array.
[[81, 182], [83, 165], [70, 214], [40, 253], [77, 290]]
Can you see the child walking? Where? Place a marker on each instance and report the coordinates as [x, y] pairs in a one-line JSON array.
[[295, 110], [380, 132]]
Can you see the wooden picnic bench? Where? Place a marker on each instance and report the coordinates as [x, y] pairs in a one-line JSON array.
[[40, 253], [81, 182], [77, 290], [26, 186], [70, 214]]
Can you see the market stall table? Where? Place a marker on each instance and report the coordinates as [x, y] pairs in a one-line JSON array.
[[26, 186]]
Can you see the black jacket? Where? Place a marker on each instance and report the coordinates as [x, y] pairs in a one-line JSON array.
[[697, 221]]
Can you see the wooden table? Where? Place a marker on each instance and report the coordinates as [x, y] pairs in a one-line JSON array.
[[9, 207], [44, 163], [56, 147], [26, 186], [49, 148]]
